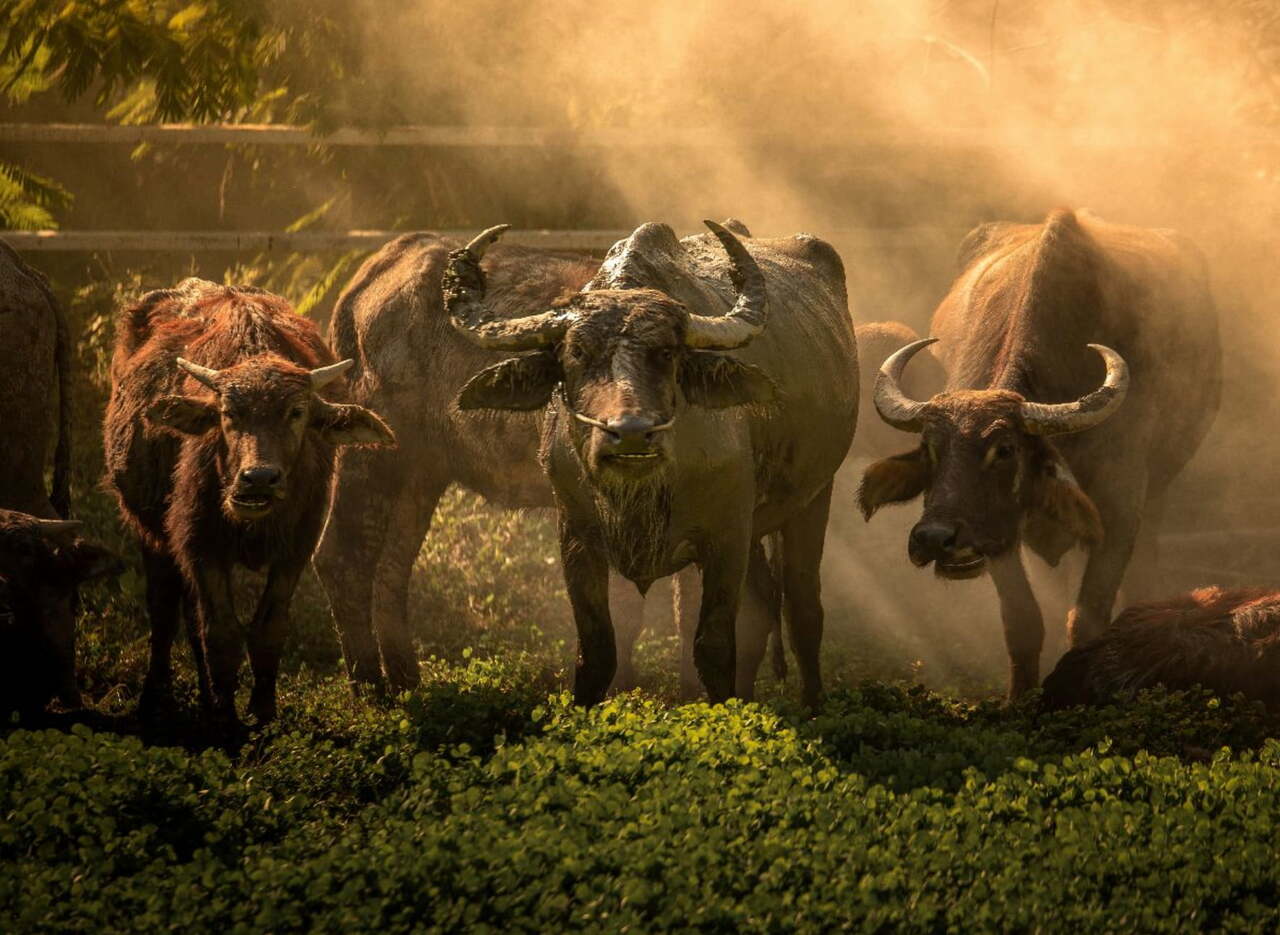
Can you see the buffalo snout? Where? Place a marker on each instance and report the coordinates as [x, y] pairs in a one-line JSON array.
[[947, 545], [260, 477]]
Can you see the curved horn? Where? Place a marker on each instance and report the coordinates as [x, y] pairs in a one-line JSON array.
[[464, 289], [748, 316], [895, 406], [323, 376], [203, 374], [61, 531], [1087, 411]]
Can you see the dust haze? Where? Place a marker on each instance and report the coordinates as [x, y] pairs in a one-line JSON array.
[[890, 128]]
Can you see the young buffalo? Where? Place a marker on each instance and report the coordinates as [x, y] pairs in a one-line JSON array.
[[220, 448], [1225, 641], [42, 561]]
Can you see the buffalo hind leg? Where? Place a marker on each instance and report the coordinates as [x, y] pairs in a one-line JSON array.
[[267, 633], [412, 512], [801, 563], [1023, 623], [165, 593], [1106, 566], [586, 576], [1145, 579]]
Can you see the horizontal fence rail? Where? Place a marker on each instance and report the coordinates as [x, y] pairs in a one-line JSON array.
[[67, 241], [697, 137]]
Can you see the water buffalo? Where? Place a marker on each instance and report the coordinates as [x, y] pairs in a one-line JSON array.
[[1014, 334], [42, 561], [665, 450], [409, 365], [35, 396], [220, 438], [1225, 640]]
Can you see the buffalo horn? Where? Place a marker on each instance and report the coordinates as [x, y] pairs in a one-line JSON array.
[[204, 374], [1087, 411], [748, 316], [464, 289], [894, 406], [323, 376]]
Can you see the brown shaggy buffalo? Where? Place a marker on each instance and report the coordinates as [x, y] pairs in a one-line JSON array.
[[220, 448], [42, 561], [665, 449], [1014, 334], [1227, 641], [409, 365], [35, 378]]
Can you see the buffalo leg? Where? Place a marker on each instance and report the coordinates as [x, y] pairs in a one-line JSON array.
[[1106, 566], [626, 607], [586, 576], [266, 638], [412, 513], [1145, 578], [757, 621], [1022, 621], [801, 544], [164, 605], [686, 598], [223, 643], [715, 652], [192, 618]]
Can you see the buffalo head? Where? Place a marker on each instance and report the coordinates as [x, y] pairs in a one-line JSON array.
[[622, 358], [42, 562], [984, 465], [263, 408]]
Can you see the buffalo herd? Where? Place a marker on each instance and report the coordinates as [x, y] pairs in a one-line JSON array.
[[683, 406]]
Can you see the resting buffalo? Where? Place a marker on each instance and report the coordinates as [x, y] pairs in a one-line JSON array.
[[1225, 641], [1014, 334], [42, 561], [664, 450], [220, 448], [35, 397]]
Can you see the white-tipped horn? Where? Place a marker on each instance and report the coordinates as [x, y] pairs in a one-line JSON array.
[[323, 376], [204, 374]]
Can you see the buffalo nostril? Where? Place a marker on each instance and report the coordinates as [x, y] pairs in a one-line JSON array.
[[260, 476], [930, 541], [630, 427]]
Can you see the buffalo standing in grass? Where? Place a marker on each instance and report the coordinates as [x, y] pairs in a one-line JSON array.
[[35, 398], [665, 450], [1014, 335], [1227, 641], [42, 561], [409, 365], [220, 448]]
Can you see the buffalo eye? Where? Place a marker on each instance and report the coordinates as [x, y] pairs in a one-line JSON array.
[[296, 413], [1003, 451], [665, 354]]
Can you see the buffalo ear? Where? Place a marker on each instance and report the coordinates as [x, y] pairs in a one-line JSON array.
[[348, 424], [893, 480], [186, 415], [1061, 499], [520, 383], [717, 381]]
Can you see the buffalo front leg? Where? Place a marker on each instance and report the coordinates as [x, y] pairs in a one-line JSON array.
[[686, 598], [266, 638], [1022, 621], [715, 651], [586, 576], [759, 617], [164, 605], [412, 511], [801, 561], [222, 639], [1104, 570], [626, 608]]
